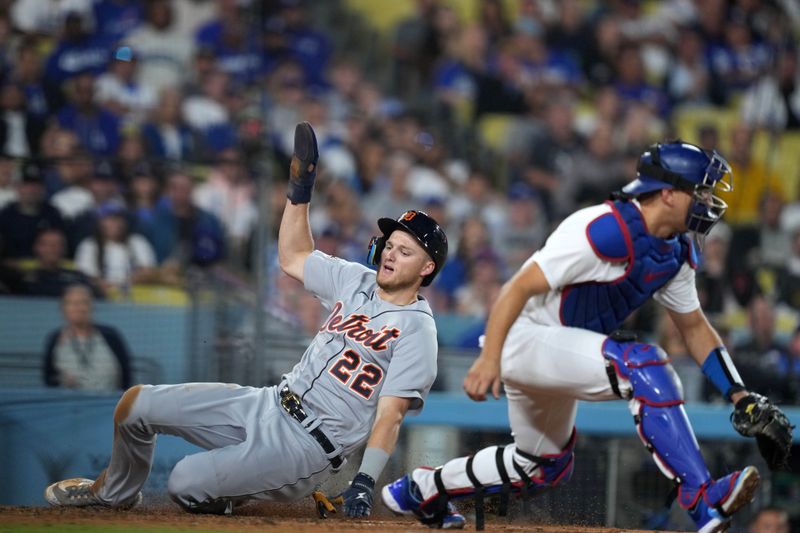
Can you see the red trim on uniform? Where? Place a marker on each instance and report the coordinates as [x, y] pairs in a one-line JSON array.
[[561, 303], [690, 254], [628, 242], [700, 492], [731, 485], [651, 403], [660, 362]]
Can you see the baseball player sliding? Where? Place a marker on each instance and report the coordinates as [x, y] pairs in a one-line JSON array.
[[373, 360], [553, 339]]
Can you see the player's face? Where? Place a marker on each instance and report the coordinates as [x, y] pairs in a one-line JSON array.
[[403, 262]]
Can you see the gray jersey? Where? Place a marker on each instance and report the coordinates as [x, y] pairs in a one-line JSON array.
[[366, 348]]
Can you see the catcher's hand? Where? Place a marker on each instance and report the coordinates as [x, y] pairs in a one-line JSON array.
[[755, 416], [357, 498], [303, 168]]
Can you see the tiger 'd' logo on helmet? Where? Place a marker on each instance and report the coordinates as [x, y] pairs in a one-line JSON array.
[[423, 228]]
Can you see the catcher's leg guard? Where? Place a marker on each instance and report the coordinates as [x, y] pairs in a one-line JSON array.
[[641, 374], [496, 470]]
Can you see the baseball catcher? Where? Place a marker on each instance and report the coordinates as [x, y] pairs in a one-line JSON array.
[[553, 338]]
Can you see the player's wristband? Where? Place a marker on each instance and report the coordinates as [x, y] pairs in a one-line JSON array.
[[373, 462], [299, 194], [719, 369]]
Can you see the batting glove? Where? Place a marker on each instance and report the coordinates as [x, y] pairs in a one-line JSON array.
[[357, 499]]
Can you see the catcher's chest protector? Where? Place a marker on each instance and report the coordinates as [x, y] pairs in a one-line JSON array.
[[621, 236]]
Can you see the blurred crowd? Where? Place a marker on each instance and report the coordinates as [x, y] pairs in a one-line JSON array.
[[142, 139]]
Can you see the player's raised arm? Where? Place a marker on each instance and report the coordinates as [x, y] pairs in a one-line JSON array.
[[294, 238]]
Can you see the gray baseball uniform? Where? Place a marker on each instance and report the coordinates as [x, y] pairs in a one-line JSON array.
[[366, 348]]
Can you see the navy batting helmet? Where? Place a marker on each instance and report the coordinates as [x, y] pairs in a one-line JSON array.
[[685, 166], [423, 228]]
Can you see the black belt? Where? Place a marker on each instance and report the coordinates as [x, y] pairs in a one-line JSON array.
[[291, 404]]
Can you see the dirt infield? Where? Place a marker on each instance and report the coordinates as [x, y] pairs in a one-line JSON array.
[[270, 518]]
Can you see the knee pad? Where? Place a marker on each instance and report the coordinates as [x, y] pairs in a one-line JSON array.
[[641, 374]]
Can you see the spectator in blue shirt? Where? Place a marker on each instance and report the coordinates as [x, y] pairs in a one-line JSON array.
[[234, 44], [96, 127], [114, 19], [181, 233], [312, 49], [77, 52]]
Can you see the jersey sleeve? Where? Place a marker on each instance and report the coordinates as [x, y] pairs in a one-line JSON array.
[[412, 370], [567, 256], [680, 293], [330, 278]]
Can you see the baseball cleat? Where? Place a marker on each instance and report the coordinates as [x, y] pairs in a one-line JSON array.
[[77, 492], [723, 498], [403, 498]]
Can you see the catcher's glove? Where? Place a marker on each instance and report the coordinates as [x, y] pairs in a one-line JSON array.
[[303, 168], [755, 416]]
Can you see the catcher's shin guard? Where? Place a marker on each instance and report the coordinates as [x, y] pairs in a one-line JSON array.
[[494, 471], [640, 373]]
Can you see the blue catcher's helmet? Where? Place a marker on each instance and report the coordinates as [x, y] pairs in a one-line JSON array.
[[687, 167]]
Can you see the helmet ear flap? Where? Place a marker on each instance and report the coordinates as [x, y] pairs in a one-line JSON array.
[[375, 249]]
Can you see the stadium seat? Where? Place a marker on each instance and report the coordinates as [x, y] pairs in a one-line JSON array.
[[159, 295]]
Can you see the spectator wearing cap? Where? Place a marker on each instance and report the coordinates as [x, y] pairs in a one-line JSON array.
[[49, 274], [166, 135], [96, 127], [22, 220], [20, 130], [82, 354], [119, 91], [114, 257]]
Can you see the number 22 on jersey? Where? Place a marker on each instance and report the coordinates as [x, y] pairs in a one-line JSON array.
[[366, 377]]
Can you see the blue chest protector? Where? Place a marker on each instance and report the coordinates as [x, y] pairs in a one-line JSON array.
[[621, 237]]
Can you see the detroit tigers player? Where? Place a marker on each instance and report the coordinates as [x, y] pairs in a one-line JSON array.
[[551, 338], [372, 361]]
